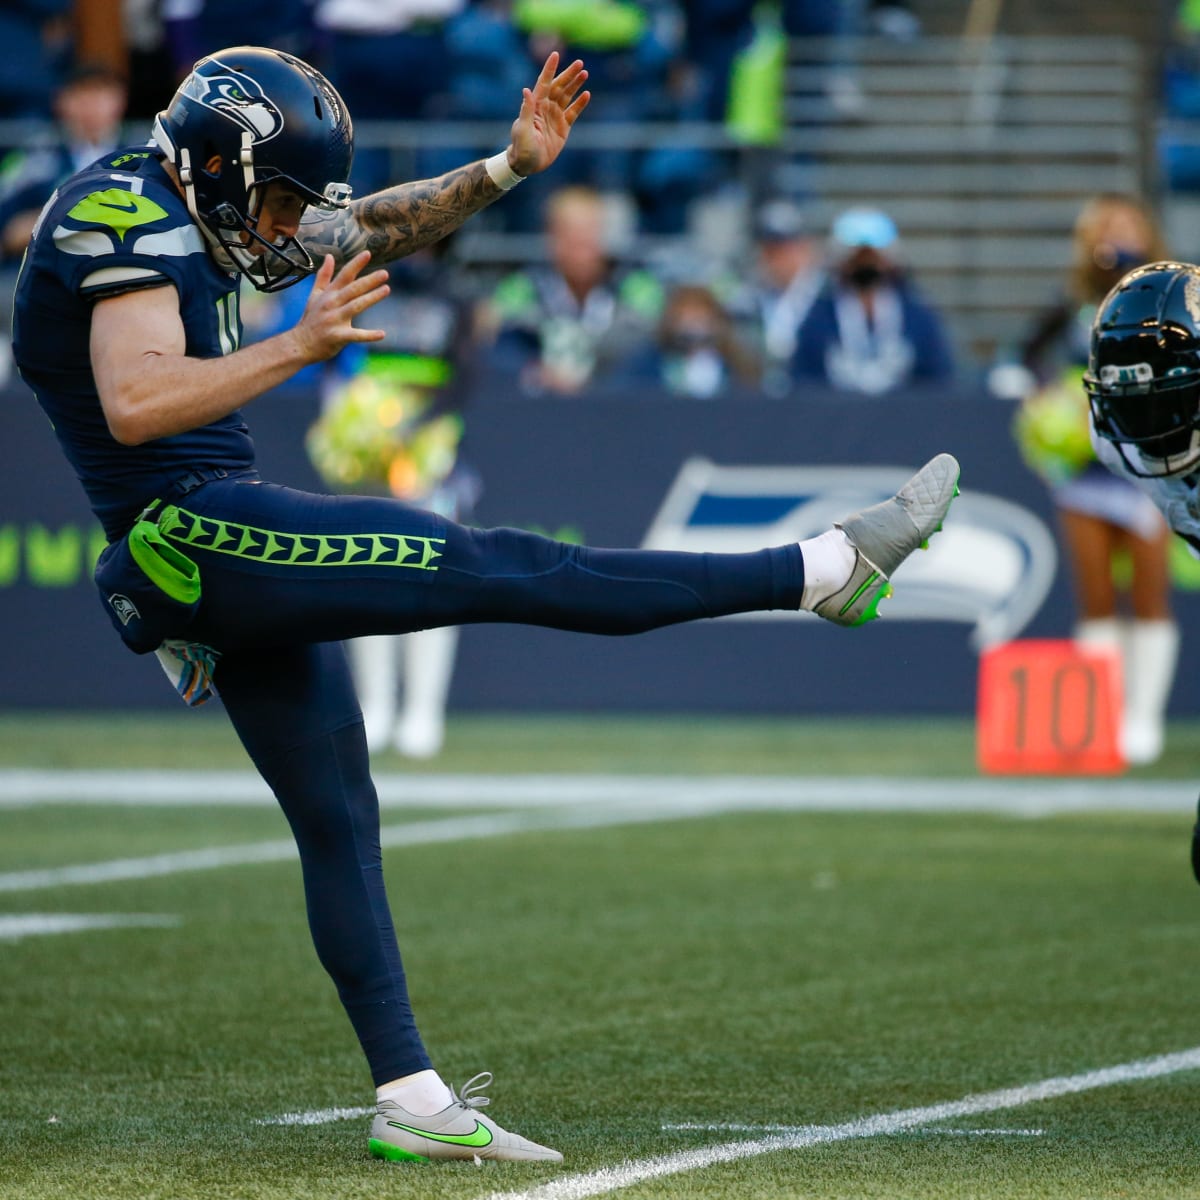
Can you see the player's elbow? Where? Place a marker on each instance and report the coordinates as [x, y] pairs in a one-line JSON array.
[[125, 436], [126, 425]]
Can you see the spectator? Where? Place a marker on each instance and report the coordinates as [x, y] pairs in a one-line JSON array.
[[194, 28], [1179, 150], [716, 31], [393, 427], [565, 325], [788, 274], [35, 37], [152, 70], [629, 47], [696, 351], [869, 330], [88, 108], [389, 61], [489, 58], [1102, 515]]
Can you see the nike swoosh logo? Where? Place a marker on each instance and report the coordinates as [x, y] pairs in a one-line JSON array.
[[118, 210], [481, 1135]]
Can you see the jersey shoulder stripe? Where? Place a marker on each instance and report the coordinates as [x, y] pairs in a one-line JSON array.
[[112, 229], [101, 212]]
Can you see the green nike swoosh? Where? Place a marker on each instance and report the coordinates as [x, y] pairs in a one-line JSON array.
[[118, 209], [481, 1135]]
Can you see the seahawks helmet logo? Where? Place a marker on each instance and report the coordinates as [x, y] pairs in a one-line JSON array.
[[236, 97]]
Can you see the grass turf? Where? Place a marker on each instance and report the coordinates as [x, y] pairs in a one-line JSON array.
[[756, 745], [754, 968]]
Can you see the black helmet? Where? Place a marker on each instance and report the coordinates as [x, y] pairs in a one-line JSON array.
[[266, 116], [1143, 376]]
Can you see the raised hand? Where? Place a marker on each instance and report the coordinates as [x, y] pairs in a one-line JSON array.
[[548, 110], [326, 325]]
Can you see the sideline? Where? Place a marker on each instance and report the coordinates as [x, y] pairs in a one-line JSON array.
[[610, 1179], [553, 802], [1037, 796]]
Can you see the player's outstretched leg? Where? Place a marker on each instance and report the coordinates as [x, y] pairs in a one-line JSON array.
[[459, 1131], [885, 534]]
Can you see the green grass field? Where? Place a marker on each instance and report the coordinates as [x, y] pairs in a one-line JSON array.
[[630, 984]]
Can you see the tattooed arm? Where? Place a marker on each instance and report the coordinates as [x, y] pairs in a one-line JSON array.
[[399, 220]]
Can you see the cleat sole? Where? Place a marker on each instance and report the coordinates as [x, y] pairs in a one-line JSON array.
[[392, 1153]]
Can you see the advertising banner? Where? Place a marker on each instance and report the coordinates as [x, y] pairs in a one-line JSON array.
[[631, 469]]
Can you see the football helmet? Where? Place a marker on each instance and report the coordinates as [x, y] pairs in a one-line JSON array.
[[243, 118], [1143, 375]]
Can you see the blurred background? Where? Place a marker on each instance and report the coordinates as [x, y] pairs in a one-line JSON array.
[[793, 249]]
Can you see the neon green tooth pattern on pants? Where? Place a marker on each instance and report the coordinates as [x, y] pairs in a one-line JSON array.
[[300, 549]]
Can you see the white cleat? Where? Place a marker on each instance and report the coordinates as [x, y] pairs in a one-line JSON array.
[[457, 1132], [885, 534]]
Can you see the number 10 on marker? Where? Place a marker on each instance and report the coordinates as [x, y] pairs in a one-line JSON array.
[[1049, 707]]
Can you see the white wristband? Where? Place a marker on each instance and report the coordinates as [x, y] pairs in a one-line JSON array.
[[500, 173]]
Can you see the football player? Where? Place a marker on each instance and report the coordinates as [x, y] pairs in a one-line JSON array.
[[1143, 385], [127, 330]]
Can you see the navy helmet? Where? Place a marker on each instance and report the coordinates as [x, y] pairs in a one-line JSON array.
[[1143, 374], [243, 118]]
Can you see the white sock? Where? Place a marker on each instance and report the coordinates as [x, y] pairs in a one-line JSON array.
[[422, 1094], [828, 562]]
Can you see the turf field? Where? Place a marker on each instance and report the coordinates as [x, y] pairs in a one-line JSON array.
[[703, 958]]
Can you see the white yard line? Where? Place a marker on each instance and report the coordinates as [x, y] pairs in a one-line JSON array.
[[415, 833], [548, 802], [610, 1179], [318, 1116], [727, 1127], [15, 926], [20, 788]]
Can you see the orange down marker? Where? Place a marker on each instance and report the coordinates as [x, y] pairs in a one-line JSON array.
[[1049, 707]]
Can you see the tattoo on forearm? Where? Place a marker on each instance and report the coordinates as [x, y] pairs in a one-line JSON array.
[[401, 219]]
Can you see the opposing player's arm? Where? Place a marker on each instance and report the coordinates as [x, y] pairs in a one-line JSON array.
[[150, 388], [399, 220]]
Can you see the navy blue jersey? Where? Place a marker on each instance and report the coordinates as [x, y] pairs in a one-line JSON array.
[[117, 225]]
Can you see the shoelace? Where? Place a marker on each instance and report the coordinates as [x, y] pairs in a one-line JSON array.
[[476, 1083]]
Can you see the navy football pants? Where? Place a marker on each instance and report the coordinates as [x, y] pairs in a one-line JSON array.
[[286, 575]]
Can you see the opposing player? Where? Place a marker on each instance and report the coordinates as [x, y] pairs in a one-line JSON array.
[[127, 330], [1143, 384]]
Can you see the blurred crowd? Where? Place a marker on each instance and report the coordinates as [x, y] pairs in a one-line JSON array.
[[833, 305], [782, 304]]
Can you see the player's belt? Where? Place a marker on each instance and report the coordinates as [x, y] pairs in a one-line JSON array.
[[200, 476]]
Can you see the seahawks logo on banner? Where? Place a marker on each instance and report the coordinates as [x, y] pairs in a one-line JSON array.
[[235, 96], [990, 568]]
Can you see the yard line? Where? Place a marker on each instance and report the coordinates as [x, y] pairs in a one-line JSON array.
[[415, 833], [550, 802], [737, 1127], [15, 926], [318, 1116], [610, 1179], [21, 788]]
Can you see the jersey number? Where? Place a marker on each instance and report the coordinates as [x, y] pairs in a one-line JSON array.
[[229, 323]]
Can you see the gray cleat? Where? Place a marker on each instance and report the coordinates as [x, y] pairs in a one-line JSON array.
[[459, 1131], [885, 534]]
